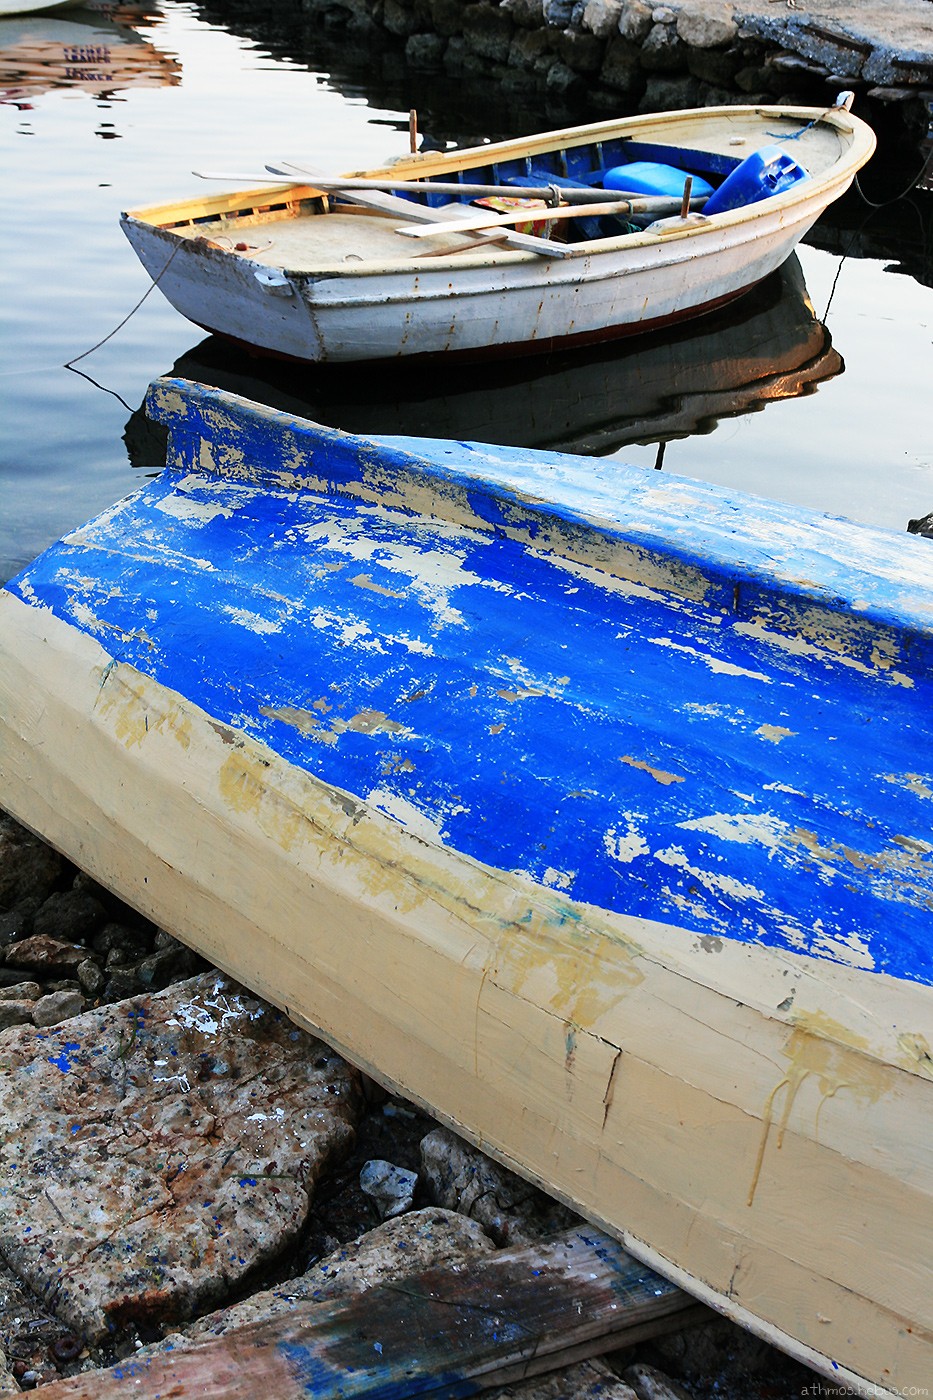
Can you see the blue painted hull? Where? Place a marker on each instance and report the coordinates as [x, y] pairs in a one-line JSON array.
[[643, 769], [634, 754]]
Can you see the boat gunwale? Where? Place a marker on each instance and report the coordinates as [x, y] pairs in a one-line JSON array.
[[257, 199]]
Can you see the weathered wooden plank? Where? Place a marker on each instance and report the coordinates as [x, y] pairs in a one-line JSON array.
[[442, 1333]]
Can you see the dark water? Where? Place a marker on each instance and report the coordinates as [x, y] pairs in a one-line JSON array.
[[815, 389]]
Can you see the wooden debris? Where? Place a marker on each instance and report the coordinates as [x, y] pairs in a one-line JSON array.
[[443, 1332]]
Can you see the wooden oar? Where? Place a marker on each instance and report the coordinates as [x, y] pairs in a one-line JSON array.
[[571, 194], [452, 215], [658, 207]]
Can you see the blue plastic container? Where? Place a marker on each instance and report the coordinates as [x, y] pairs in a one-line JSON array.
[[651, 177], [760, 175]]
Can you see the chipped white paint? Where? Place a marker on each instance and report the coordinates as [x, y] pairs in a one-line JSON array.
[[407, 813], [628, 847], [715, 663], [252, 621]]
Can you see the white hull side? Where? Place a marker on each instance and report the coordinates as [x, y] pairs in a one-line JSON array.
[[775, 1161], [475, 304]]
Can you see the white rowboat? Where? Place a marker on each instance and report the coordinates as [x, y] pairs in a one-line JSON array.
[[325, 272]]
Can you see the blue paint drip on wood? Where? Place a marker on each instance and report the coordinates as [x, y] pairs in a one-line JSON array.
[[635, 751]]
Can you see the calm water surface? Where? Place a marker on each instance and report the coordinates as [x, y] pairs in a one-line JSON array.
[[816, 389]]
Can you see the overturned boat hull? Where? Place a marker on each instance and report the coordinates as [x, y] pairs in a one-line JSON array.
[[595, 820]]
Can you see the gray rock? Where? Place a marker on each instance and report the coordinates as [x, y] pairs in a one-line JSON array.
[[581, 52], [16, 1013], [601, 17], [563, 80], [121, 983], [702, 30], [405, 1245], [527, 46], [635, 21], [558, 12], [650, 1384], [155, 1153], [399, 19], [21, 991], [663, 51], [669, 94], [447, 17], [56, 1007], [90, 977], [529, 14], [390, 1188], [425, 51], [72, 916], [487, 31], [132, 942], [622, 70], [18, 922], [157, 970], [460, 1177], [28, 867], [718, 66]]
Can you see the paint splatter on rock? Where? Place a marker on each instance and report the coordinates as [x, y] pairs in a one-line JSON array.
[[155, 1152]]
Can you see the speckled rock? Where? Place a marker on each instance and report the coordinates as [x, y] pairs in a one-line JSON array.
[[153, 1153], [8, 1385], [461, 1178], [405, 1245], [390, 1188]]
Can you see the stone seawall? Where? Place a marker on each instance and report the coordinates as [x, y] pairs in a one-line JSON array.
[[607, 56]]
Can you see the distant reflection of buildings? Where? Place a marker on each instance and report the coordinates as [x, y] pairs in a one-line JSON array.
[[93, 49]]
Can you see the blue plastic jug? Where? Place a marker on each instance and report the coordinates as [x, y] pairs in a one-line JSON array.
[[764, 173], [652, 177]]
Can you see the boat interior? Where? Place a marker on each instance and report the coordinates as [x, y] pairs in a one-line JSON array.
[[617, 165]]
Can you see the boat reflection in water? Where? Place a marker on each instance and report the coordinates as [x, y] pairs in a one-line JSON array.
[[768, 345], [91, 49]]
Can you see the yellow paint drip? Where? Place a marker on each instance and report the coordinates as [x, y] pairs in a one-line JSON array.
[[244, 787], [821, 1048]]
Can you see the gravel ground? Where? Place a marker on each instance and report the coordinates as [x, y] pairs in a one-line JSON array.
[[67, 945]]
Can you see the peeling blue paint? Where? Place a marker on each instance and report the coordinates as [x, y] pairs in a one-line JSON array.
[[624, 746], [64, 1059]]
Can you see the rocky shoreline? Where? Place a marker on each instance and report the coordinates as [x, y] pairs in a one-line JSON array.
[[149, 1207], [605, 57]]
